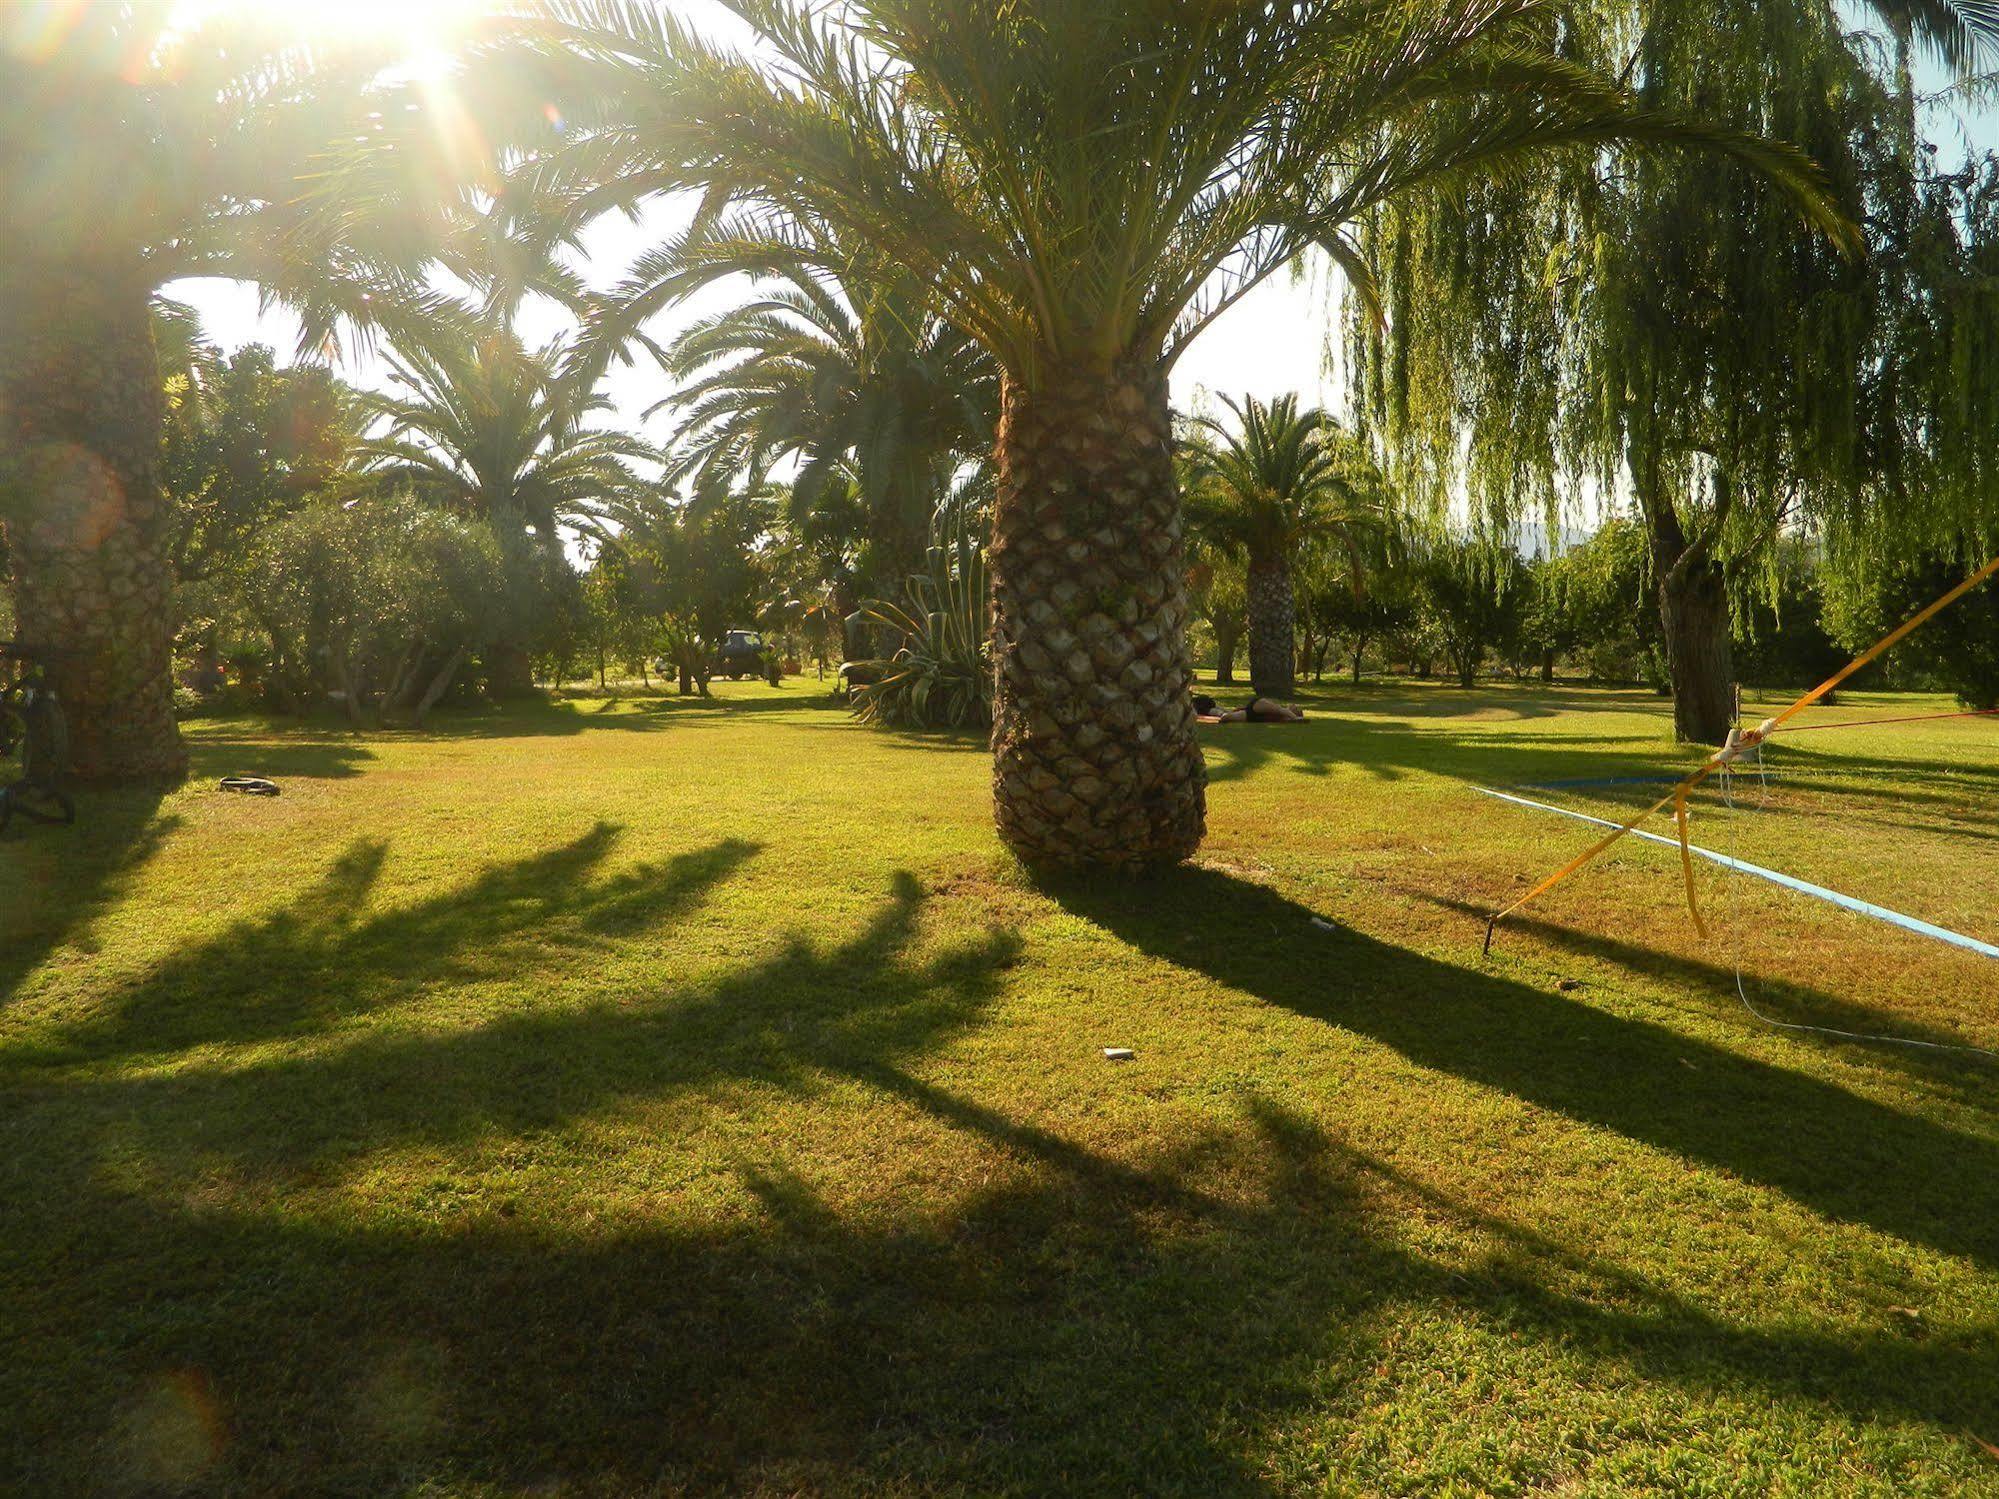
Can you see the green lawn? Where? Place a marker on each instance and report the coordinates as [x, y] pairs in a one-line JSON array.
[[633, 1096]]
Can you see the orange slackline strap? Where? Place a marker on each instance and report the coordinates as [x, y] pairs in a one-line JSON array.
[[1739, 742], [1886, 644], [1687, 862], [1882, 723]]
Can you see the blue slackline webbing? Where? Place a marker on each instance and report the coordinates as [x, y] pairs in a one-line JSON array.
[[1819, 892]]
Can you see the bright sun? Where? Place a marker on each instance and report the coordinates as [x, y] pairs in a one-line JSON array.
[[410, 27]]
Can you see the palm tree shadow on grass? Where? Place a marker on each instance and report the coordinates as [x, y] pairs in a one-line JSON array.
[[1829, 1149], [304, 970], [76, 874], [1078, 1325], [325, 956], [274, 752], [1064, 1323]]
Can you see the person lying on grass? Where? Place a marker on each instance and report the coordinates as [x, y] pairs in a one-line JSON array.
[[1259, 710]]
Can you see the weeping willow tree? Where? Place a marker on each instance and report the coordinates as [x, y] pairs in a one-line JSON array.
[[1689, 347]]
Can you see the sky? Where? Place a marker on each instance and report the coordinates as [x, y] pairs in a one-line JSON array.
[[1273, 342]]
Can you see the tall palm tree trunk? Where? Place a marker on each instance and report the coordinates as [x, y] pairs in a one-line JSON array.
[[509, 663], [1228, 639], [1273, 627], [85, 518], [1095, 760]]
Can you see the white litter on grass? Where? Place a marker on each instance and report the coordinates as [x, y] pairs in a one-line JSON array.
[[1119, 1054], [1323, 925]]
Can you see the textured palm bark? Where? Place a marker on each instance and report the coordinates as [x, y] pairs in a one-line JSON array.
[[1228, 640], [85, 518], [1273, 628], [1095, 763]]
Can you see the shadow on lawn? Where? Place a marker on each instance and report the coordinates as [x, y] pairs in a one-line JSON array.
[[633, 712], [1390, 749], [326, 956], [1971, 1075], [278, 753], [75, 874], [1833, 1151], [1067, 1324], [1042, 1320]]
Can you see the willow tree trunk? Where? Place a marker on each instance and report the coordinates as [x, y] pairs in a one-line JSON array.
[[85, 519], [1273, 627], [1700, 658], [1693, 608], [1095, 763]]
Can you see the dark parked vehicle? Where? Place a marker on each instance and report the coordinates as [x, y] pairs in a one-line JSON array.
[[742, 654]]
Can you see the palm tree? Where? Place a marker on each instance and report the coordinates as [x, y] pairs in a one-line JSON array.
[[492, 428], [135, 151], [1283, 479], [1962, 34], [850, 371], [1083, 188]]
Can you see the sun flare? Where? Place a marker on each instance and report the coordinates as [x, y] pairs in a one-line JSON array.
[[413, 29]]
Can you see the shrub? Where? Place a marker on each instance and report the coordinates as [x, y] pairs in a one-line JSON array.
[[941, 675], [379, 602]]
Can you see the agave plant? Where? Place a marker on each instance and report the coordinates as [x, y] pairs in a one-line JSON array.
[[941, 676]]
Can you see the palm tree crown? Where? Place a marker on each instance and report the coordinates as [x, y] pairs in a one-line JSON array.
[[1077, 182], [850, 376], [1281, 478], [494, 428]]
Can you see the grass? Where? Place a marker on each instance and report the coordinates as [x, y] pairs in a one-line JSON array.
[[631, 1096]]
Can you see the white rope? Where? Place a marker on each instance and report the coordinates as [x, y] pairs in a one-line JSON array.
[[1735, 867]]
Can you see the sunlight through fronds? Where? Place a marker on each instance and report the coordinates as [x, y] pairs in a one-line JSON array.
[[1076, 181]]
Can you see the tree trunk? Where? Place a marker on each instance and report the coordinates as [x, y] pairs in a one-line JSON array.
[[1095, 763], [85, 519], [1228, 639], [439, 685], [1699, 655], [1547, 667], [1273, 619], [1693, 607], [509, 670], [1359, 657]]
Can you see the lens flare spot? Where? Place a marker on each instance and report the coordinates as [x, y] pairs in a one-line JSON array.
[[173, 1432]]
